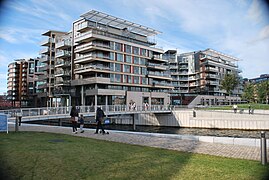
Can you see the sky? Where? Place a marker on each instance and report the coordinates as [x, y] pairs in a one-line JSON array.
[[239, 28]]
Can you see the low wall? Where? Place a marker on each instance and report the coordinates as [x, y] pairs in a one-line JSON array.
[[205, 119]]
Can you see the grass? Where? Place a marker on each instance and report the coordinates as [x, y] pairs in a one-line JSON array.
[[34, 155], [241, 106]]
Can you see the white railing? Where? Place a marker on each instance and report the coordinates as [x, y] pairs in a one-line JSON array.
[[108, 109]]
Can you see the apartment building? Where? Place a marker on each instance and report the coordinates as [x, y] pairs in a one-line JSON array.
[[62, 69], [47, 86], [200, 73], [115, 62], [21, 82]]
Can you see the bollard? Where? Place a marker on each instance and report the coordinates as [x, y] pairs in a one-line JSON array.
[[194, 113], [17, 124], [134, 127], [263, 148]]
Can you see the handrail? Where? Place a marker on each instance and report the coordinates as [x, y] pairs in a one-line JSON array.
[[108, 109]]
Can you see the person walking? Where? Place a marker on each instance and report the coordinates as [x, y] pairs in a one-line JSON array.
[[235, 108], [81, 123], [99, 118], [74, 119]]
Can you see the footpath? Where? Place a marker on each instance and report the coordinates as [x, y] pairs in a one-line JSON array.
[[156, 140]]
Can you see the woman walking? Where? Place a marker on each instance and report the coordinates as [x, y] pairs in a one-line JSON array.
[[74, 119]]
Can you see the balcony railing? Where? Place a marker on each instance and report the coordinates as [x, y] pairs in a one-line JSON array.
[[63, 44], [62, 53], [47, 41]]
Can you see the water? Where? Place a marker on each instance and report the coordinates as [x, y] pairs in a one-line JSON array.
[[171, 130]]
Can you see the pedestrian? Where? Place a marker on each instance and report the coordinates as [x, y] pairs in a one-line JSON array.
[[81, 123], [235, 108], [99, 119], [74, 119], [249, 109], [134, 106]]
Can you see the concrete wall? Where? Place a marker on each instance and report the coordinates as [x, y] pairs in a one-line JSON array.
[[203, 119]]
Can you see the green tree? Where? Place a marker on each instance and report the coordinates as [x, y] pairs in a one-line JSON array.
[[248, 93], [229, 83], [262, 91]]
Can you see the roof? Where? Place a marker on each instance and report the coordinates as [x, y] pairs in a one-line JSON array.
[[112, 21], [47, 33], [219, 53]]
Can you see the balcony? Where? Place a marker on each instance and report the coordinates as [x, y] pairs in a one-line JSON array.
[[211, 69], [62, 73], [173, 67], [92, 80], [46, 42], [46, 67], [63, 44], [157, 66], [63, 54], [183, 85], [214, 83], [92, 45], [90, 57], [41, 86], [158, 58], [83, 27], [212, 76], [183, 62], [62, 63], [46, 50], [63, 83], [159, 75], [92, 68], [183, 67]]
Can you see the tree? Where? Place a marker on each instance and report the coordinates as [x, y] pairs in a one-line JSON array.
[[262, 92], [229, 83], [248, 93]]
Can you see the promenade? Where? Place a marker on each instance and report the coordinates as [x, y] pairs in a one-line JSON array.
[[171, 142]]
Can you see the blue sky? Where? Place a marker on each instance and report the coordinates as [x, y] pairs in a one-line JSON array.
[[236, 27]]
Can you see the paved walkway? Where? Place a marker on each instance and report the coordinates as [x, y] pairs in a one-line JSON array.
[[166, 142]]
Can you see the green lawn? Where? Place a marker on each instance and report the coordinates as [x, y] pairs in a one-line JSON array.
[[241, 106], [33, 155]]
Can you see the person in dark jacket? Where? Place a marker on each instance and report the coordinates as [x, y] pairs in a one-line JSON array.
[[74, 119], [81, 123], [99, 119]]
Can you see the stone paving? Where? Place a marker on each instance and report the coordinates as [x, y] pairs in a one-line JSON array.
[[224, 150]]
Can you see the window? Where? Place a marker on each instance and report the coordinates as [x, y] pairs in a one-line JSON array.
[[117, 78], [118, 47], [136, 60], [142, 61], [119, 57], [128, 59], [127, 68], [144, 80], [117, 67], [136, 50], [112, 67], [129, 78], [112, 56], [124, 79], [128, 49], [143, 71], [136, 80], [143, 52], [136, 70], [150, 54]]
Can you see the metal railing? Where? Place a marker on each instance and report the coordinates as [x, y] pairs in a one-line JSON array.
[[108, 109]]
